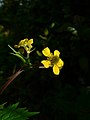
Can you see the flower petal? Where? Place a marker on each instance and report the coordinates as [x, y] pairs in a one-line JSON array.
[[46, 63], [30, 42], [21, 42], [27, 49], [56, 70], [46, 52], [56, 53], [60, 63]]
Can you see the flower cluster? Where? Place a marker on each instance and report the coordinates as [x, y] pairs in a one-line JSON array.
[[52, 60], [26, 44]]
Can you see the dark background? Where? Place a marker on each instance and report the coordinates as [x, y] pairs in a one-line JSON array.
[[63, 97]]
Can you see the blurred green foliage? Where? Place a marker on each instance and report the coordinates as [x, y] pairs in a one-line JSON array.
[[13, 112], [58, 24]]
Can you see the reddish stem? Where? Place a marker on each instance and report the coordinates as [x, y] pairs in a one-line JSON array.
[[11, 78]]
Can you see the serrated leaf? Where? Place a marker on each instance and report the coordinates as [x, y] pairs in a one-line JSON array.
[[14, 113]]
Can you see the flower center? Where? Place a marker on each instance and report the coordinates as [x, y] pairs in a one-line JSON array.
[[53, 59]]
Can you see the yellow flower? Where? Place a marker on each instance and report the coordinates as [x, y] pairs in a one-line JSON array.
[[52, 60], [26, 44]]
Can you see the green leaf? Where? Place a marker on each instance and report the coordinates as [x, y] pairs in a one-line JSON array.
[[12, 112], [19, 56]]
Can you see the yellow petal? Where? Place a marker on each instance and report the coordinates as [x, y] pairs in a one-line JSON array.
[[30, 42], [26, 39], [46, 52], [30, 46], [60, 63], [46, 63], [56, 53], [26, 48], [22, 43], [56, 70]]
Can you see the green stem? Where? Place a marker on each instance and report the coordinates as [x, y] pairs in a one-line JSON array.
[[12, 49]]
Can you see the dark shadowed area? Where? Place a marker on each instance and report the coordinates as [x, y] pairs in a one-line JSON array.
[[62, 25]]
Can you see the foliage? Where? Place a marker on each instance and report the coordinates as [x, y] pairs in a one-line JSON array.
[[12, 112]]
